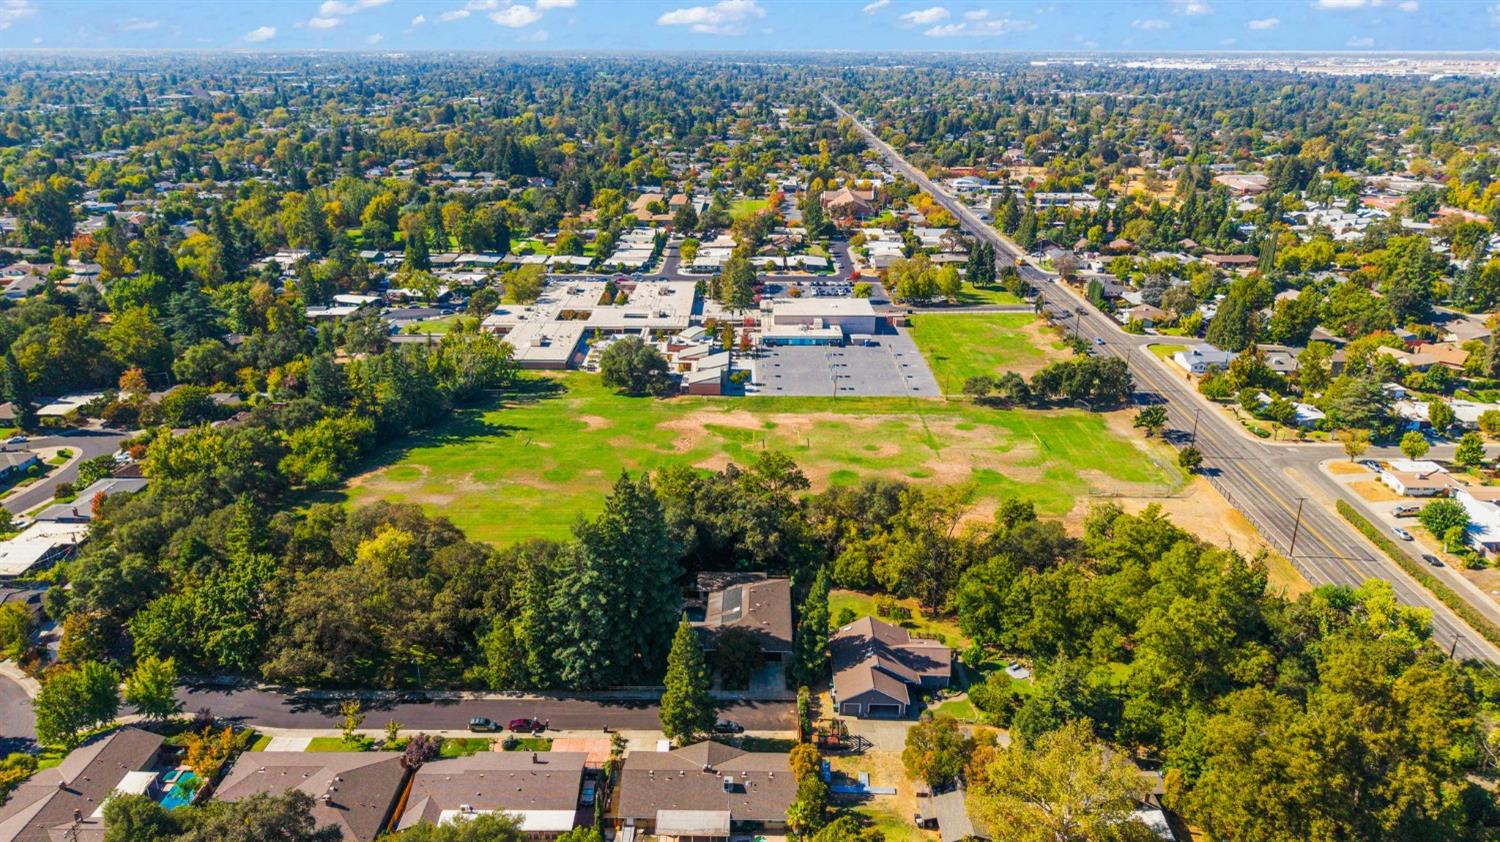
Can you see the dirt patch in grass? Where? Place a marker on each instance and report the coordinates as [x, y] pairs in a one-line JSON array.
[[594, 422], [1374, 491], [1347, 469]]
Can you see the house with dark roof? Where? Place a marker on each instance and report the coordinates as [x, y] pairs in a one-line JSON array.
[[751, 601], [877, 665], [949, 813], [355, 791], [703, 791], [543, 790], [66, 802]]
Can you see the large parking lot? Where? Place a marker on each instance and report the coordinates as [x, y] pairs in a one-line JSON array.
[[892, 366]]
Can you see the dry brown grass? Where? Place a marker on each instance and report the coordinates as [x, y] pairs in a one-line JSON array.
[[1347, 469], [1374, 491]]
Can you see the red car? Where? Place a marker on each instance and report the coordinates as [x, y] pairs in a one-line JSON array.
[[527, 724]]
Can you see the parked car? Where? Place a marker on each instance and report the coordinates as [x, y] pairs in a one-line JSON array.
[[483, 723], [728, 726], [1402, 534], [16, 440], [1406, 511], [1371, 464], [526, 723], [1432, 559]]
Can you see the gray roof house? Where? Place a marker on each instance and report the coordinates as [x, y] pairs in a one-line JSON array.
[[875, 665], [750, 601], [703, 790], [355, 791], [543, 790], [66, 802]]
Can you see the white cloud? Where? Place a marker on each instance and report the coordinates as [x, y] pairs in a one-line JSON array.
[[418, 20], [1409, 6], [339, 8], [375, 39], [1150, 24], [13, 12], [263, 33], [1361, 42], [726, 17], [556, 4], [1264, 23], [976, 14], [921, 17], [516, 17], [979, 28], [1191, 7], [456, 14], [323, 23], [872, 8], [138, 25]]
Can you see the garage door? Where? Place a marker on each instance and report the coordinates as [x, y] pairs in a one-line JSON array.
[[891, 711], [849, 708]]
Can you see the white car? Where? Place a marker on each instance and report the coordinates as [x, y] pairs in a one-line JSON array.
[[16, 440], [1402, 533]]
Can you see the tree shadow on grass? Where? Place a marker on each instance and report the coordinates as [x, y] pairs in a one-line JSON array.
[[467, 424]]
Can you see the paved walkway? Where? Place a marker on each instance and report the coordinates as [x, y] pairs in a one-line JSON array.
[[289, 743]]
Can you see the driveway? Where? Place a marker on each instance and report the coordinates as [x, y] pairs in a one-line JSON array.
[[17, 721]]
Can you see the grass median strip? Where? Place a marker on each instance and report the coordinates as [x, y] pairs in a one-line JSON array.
[[1488, 630]]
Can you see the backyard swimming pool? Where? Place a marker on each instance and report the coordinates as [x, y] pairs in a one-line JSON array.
[[181, 793]]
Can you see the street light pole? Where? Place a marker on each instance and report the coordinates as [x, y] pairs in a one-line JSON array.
[[1196, 413], [1290, 550]]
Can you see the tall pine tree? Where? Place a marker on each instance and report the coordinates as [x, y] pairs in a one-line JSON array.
[[687, 709], [811, 664]]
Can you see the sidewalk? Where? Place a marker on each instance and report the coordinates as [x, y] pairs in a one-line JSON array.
[[13, 671]]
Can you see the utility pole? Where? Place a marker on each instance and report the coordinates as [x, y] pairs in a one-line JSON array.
[[1196, 413], [1295, 527]]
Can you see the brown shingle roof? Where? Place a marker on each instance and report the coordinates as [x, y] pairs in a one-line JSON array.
[[510, 781], [355, 791], [81, 783], [869, 654], [692, 778], [750, 601]]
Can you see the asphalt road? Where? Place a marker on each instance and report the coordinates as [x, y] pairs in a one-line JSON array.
[[89, 443], [1260, 480], [17, 722], [268, 708]]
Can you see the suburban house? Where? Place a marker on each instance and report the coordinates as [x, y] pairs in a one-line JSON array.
[[1144, 314], [846, 202], [1200, 358], [39, 545], [1416, 478], [16, 462], [543, 790], [66, 802], [750, 601], [81, 509], [949, 814], [876, 665], [355, 791], [703, 791], [1482, 503]]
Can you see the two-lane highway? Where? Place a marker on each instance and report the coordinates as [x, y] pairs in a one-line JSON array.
[[1255, 478]]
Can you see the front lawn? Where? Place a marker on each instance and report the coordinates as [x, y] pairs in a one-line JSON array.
[[465, 746], [335, 744], [746, 207], [548, 452], [997, 296]]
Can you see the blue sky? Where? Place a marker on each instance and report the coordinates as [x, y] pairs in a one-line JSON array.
[[883, 25]]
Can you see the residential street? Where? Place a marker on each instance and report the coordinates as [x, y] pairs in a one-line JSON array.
[[17, 723], [1258, 479], [265, 708], [88, 443]]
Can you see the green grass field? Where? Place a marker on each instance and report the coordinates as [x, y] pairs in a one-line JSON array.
[[971, 294], [962, 345], [746, 207], [534, 462]]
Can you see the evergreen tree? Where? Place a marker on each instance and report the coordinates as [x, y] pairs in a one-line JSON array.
[[811, 664], [616, 606], [18, 392], [687, 709], [417, 258]]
